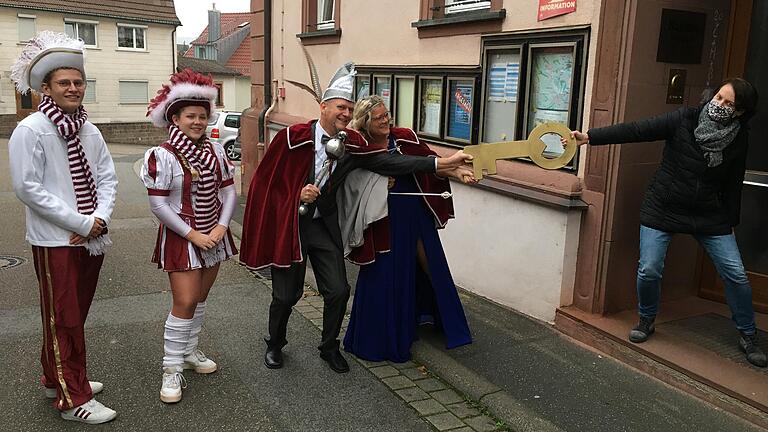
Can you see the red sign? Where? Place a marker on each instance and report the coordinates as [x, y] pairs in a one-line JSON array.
[[553, 8]]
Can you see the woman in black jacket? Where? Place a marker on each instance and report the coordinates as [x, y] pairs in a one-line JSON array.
[[697, 191]]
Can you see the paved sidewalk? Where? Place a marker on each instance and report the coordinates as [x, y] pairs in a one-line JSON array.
[[124, 339], [518, 374]]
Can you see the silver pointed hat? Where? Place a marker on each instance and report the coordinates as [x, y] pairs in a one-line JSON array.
[[342, 85]]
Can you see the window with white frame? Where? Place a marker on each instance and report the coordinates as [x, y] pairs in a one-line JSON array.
[[325, 9], [27, 29], [456, 6], [90, 91], [85, 30], [131, 36], [134, 92]]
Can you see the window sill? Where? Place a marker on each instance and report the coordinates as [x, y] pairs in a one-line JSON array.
[[319, 37], [137, 50], [520, 180], [461, 23]]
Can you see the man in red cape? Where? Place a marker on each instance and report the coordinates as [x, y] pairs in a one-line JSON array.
[[275, 235]]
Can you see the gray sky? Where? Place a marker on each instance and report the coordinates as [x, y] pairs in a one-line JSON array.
[[193, 15]]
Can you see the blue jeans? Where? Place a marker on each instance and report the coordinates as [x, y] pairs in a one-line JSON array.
[[725, 255]]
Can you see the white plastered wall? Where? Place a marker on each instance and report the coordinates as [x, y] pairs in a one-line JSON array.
[[106, 63], [518, 253]]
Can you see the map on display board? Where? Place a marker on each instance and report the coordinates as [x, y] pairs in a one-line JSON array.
[[551, 81]]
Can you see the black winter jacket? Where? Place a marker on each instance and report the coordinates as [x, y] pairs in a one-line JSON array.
[[685, 195]]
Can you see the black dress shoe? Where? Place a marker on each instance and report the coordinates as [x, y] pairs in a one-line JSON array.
[[273, 358], [335, 360]]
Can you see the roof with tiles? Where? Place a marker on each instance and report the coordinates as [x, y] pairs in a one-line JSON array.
[[151, 11], [205, 66], [230, 22], [241, 58]]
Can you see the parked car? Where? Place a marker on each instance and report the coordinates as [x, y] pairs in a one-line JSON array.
[[223, 127], [233, 152]]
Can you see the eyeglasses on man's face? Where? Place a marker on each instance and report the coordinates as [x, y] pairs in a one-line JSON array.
[[65, 84]]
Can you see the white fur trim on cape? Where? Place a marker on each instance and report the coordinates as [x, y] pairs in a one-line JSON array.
[[183, 91]]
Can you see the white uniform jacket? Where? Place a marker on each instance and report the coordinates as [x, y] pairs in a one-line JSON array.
[[41, 180]]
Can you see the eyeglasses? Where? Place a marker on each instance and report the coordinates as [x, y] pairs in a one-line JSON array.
[[65, 84], [386, 116]]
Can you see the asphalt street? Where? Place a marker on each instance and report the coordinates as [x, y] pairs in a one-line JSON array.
[[519, 374]]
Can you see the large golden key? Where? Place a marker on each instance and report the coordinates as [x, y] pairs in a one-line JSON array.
[[486, 155]]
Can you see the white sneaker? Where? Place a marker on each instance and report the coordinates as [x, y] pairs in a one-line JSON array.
[[96, 387], [173, 382], [91, 412], [199, 362]]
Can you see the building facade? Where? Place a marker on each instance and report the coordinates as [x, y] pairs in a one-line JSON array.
[[225, 41], [562, 245], [130, 52]]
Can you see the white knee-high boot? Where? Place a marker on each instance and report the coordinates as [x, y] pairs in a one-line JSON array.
[[176, 338], [197, 326]]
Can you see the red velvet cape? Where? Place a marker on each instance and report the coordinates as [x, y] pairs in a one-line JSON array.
[[271, 219], [376, 236]]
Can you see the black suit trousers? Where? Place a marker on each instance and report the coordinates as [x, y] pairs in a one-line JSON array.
[[327, 259]]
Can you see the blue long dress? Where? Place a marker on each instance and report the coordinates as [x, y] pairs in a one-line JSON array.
[[393, 295]]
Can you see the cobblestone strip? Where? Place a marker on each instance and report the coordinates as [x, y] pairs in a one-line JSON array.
[[441, 406]]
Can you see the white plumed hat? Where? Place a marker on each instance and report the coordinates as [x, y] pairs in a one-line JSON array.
[[44, 53]]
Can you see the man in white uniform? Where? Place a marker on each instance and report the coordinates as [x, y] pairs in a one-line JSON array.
[[63, 173]]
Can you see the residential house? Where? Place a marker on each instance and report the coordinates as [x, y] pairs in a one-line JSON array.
[[225, 41], [558, 245], [130, 53], [226, 79]]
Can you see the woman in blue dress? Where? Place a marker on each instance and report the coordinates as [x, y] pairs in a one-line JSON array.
[[404, 278]]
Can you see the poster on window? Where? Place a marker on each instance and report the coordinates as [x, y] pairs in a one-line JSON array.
[[362, 88], [431, 101], [384, 89], [503, 82], [460, 110], [551, 80]]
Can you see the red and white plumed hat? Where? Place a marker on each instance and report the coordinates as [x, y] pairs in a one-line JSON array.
[[187, 88]]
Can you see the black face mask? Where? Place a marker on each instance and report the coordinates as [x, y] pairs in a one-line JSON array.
[[718, 113]]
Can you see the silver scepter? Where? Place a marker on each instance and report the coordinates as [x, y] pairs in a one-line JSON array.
[[334, 150], [443, 195]]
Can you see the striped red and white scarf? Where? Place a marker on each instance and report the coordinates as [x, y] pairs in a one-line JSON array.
[[69, 126], [201, 158]]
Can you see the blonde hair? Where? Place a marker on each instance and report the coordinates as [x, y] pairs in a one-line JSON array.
[[361, 116]]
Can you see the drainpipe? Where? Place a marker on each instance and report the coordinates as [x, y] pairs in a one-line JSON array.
[[174, 54], [267, 70]]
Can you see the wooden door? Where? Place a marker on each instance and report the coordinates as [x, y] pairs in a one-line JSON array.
[[26, 104], [748, 60]]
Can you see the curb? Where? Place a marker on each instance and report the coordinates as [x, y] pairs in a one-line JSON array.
[[475, 388]]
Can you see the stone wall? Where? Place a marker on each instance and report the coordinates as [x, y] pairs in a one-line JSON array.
[[140, 133]]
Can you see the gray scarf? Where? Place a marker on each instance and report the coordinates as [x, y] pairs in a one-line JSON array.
[[713, 136]]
